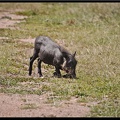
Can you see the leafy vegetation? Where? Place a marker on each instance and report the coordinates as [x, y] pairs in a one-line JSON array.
[[91, 29]]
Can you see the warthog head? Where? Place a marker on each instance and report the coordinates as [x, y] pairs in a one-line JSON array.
[[70, 65]]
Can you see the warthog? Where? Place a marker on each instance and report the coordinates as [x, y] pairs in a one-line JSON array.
[[49, 52]]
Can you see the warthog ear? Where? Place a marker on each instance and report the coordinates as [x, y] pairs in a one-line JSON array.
[[74, 54]]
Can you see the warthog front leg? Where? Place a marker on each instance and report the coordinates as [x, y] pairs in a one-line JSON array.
[[57, 72]]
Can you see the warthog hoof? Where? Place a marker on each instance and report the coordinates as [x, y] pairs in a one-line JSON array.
[[41, 77], [68, 76], [56, 75]]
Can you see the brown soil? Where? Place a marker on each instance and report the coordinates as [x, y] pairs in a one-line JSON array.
[[15, 105], [8, 19]]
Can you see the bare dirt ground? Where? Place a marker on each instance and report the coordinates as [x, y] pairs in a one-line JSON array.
[[15, 105]]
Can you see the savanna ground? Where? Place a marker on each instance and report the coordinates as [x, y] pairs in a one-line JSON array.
[[90, 29]]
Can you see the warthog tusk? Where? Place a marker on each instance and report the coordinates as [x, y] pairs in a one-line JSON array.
[[63, 65]]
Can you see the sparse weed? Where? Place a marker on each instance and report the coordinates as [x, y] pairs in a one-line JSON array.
[[29, 106]]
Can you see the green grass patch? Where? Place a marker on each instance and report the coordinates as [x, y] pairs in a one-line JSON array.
[[107, 108]]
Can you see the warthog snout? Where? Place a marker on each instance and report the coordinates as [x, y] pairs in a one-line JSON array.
[[69, 69]]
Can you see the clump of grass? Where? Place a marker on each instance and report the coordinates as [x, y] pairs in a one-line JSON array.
[[6, 17], [26, 13], [29, 106]]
